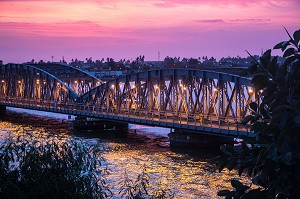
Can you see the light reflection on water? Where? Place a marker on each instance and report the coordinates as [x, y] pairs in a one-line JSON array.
[[187, 176]]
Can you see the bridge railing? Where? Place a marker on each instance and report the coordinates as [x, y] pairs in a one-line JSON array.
[[154, 116]]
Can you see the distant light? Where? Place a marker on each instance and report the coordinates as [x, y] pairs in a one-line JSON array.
[[112, 86], [156, 87], [250, 90], [75, 82], [19, 82], [38, 73], [81, 81], [180, 85], [2, 81], [184, 88], [133, 86], [215, 89]]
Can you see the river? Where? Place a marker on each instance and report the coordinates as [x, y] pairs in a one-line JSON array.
[[188, 174]]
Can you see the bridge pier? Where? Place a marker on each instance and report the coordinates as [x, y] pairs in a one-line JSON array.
[[85, 124], [2, 111], [196, 139]]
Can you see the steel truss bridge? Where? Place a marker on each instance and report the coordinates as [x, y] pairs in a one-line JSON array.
[[203, 101]]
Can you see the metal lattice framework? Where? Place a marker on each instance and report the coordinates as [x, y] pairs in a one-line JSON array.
[[78, 80], [205, 101], [30, 82], [177, 91]]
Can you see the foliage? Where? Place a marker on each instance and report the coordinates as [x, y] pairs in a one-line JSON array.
[[34, 167], [272, 159], [39, 166], [140, 189]]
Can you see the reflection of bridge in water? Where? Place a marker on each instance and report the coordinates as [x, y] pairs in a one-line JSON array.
[[202, 101]]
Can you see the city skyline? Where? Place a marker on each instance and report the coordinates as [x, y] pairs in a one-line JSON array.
[[129, 28]]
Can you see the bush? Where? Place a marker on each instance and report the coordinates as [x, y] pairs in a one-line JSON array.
[[35, 167], [140, 189], [272, 159]]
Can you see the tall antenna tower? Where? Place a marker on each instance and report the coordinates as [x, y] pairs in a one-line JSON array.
[[158, 56]]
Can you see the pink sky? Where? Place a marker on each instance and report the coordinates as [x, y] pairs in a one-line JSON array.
[[129, 28]]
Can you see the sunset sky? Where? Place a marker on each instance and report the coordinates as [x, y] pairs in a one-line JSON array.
[[129, 28]]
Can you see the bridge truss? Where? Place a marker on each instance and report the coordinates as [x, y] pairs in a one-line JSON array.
[[78, 80], [176, 98], [177, 91]]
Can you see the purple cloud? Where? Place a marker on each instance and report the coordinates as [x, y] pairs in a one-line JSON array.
[[209, 21]]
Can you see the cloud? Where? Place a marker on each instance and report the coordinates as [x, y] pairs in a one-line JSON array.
[[75, 28], [248, 20], [209, 21], [174, 3], [213, 21]]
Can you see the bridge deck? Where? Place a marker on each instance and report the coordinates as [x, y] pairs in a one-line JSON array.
[[206, 124]]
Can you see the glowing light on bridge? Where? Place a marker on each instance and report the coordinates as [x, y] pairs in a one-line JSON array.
[[215, 89], [19, 82], [112, 86], [75, 82], [2, 81], [250, 90]]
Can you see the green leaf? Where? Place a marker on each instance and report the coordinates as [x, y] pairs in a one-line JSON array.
[[256, 193], [264, 112], [296, 36], [273, 65], [238, 185], [241, 169], [247, 119], [250, 170], [260, 81], [252, 68], [261, 156], [257, 127], [223, 192], [230, 149], [289, 60], [282, 45], [231, 164], [289, 52], [253, 106], [245, 148], [223, 164], [267, 55]]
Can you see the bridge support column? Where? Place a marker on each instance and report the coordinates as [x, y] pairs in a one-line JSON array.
[[97, 125], [2, 111], [196, 139]]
